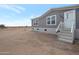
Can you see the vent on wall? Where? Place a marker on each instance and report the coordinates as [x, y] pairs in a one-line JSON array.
[[37, 29], [45, 29]]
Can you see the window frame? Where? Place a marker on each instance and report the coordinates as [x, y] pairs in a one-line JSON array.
[[47, 20], [51, 20], [67, 15], [35, 21]]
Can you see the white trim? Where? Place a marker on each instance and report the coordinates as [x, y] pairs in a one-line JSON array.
[[51, 19], [47, 20], [55, 19]]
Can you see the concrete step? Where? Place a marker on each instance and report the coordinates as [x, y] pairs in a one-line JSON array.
[[65, 40], [67, 29], [65, 37], [65, 34]]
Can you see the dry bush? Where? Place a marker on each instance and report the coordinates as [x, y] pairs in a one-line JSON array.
[[2, 26]]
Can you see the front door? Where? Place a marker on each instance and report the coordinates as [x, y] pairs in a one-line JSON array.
[[69, 18]]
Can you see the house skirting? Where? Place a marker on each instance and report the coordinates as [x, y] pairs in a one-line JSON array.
[[45, 30], [77, 34]]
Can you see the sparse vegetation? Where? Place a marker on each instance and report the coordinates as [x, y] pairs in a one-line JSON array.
[[17, 41], [2, 26], [26, 26]]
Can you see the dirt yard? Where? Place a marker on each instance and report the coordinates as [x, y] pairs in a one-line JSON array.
[[20, 41]]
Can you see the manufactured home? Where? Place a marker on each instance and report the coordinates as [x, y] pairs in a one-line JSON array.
[[63, 22]]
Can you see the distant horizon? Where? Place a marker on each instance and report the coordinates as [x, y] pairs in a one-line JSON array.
[[18, 26], [21, 14]]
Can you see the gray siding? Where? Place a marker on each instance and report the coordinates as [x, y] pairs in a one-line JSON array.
[[77, 18], [59, 17], [42, 20], [33, 21], [77, 24]]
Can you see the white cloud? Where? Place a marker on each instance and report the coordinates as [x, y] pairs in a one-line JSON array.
[[15, 8], [20, 8], [34, 16], [26, 21], [19, 22]]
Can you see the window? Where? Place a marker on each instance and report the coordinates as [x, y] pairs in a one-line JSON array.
[[48, 20], [51, 20], [67, 15], [35, 22]]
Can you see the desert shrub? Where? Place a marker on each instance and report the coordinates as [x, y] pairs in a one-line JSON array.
[[2, 26], [26, 26]]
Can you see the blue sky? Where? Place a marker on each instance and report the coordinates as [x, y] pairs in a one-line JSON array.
[[21, 14]]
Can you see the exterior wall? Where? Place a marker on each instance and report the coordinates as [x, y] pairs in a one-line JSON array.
[[77, 24], [49, 30], [33, 20], [52, 28], [59, 17], [77, 34], [77, 19]]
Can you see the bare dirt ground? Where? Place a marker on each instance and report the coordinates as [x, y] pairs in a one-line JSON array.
[[15, 41]]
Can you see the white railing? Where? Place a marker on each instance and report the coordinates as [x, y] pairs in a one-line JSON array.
[[73, 32], [72, 28], [60, 27]]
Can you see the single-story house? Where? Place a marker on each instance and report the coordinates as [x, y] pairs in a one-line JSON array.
[[63, 22]]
